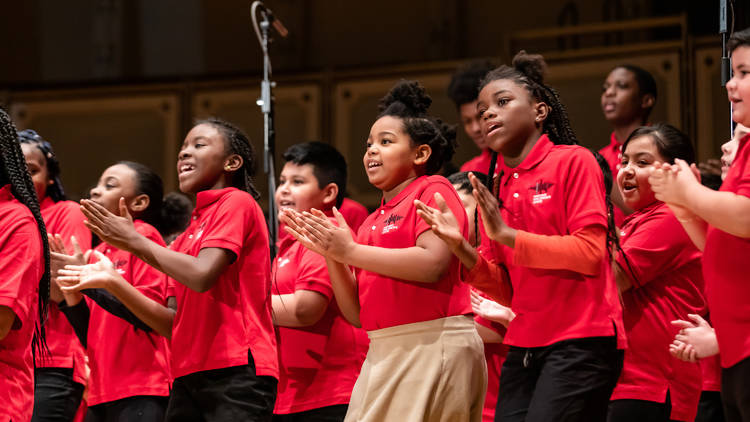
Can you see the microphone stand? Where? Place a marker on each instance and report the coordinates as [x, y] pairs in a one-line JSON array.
[[269, 133], [726, 68]]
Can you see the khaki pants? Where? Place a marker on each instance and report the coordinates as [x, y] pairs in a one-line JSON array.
[[426, 371]]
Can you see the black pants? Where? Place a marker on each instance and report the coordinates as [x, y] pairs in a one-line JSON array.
[[570, 380], [628, 410], [56, 395], [710, 408], [136, 408], [335, 413], [227, 394], [735, 391]]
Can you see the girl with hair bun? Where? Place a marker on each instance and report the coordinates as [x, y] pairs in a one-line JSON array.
[[544, 253], [60, 376], [425, 360]]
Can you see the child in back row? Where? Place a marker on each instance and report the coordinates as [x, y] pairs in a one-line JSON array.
[[24, 279], [425, 360], [320, 353], [719, 224], [224, 357], [60, 376]]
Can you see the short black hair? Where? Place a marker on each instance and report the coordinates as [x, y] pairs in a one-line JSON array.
[[739, 39], [646, 83], [464, 85], [462, 180], [329, 166]]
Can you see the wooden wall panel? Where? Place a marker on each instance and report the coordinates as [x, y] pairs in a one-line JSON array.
[[711, 103]]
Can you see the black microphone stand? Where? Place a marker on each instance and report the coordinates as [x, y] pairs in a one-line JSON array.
[[726, 67], [269, 133]]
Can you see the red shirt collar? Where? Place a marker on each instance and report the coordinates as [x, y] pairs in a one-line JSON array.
[[643, 211], [208, 197], [404, 193], [5, 193], [542, 147]]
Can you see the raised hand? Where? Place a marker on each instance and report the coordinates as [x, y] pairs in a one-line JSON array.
[[489, 209], [442, 222], [672, 183], [74, 278], [697, 334], [491, 310], [294, 226], [116, 230]]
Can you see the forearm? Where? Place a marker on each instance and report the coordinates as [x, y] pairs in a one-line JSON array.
[[726, 211], [491, 279], [696, 230], [622, 279], [78, 316], [581, 251], [345, 291], [488, 335], [155, 315], [466, 254], [302, 308], [413, 264], [7, 317]]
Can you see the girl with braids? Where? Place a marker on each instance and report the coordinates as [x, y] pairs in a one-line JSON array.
[[24, 279], [60, 376], [628, 96], [223, 345], [658, 273], [545, 234], [425, 361], [122, 384]]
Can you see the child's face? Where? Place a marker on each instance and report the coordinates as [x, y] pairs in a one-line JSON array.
[[117, 181], [299, 189], [738, 88], [389, 157], [621, 99], [729, 149], [471, 124], [201, 161], [508, 116], [632, 179], [470, 204], [37, 165]]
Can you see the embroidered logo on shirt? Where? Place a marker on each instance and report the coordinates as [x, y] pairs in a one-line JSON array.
[[390, 223], [200, 231], [283, 261], [119, 264], [540, 189]]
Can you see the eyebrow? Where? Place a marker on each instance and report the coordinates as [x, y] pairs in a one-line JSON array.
[[385, 132]]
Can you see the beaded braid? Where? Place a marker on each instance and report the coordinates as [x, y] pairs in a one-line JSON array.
[[238, 143], [13, 171]]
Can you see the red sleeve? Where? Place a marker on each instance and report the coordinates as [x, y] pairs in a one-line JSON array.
[[148, 280], [448, 192], [581, 251], [584, 191], [231, 224], [312, 274], [20, 266], [491, 279], [71, 224], [742, 183], [658, 246]]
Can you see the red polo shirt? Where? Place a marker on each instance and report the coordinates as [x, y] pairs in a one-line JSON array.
[[613, 154], [65, 351], [385, 301], [724, 269], [665, 267], [116, 348], [319, 364], [21, 268], [354, 213], [481, 163], [216, 329], [556, 190]]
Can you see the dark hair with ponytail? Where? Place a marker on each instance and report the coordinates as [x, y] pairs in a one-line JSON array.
[[13, 171], [528, 71], [408, 101], [237, 143], [55, 191], [669, 141]]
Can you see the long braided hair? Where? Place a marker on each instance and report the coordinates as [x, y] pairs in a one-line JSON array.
[[237, 143], [13, 171], [528, 71]]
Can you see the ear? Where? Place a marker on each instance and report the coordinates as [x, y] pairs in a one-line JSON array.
[[139, 203], [541, 111], [331, 191], [423, 153], [647, 101], [233, 163]]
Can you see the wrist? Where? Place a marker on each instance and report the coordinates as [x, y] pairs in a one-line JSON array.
[[508, 237]]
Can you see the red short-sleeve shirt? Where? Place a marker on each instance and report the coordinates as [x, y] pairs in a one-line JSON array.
[[319, 364], [556, 190], [385, 301], [354, 213], [65, 351], [480, 163], [613, 154], [21, 268], [665, 268], [116, 349], [725, 272], [216, 329]]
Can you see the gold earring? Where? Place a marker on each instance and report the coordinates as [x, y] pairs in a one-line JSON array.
[[227, 168]]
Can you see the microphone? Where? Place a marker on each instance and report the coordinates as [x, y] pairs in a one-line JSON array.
[[275, 22]]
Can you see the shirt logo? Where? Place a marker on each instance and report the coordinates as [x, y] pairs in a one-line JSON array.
[[119, 265], [390, 223], [200, 231], [541, 191], [283, 261]]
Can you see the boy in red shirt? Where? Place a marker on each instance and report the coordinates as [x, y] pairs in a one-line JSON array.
[[719, 224], [320, 353], [24, 278]]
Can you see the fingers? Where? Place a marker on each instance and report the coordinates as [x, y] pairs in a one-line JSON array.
[[699, 321], [124, 209], [101, 257], [76, 246], [682, 324], [440, 202], [340, 218]]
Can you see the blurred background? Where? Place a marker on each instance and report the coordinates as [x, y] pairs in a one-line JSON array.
[[107, 80]]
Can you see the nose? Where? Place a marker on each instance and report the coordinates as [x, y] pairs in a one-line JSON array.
[[94, 192], [609, 91], [184, 153]]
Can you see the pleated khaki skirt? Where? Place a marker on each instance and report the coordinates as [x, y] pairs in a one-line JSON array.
[[425, 371]]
